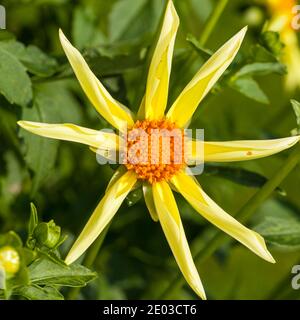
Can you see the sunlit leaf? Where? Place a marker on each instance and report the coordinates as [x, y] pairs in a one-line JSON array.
[[248, 87], [46, 272], [34, 292], [16, 84], [261, 69], [281, 231]]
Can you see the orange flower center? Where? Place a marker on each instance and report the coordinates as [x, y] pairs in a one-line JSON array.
[[155, 150]]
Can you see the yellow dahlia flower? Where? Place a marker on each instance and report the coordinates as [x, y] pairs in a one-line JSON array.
[[159, 179], [282, 15]]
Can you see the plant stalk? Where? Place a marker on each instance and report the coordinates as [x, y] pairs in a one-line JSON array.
[[212, 21]]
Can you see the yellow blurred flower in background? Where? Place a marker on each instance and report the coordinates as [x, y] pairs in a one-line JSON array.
[[9, 260], [282, 15]]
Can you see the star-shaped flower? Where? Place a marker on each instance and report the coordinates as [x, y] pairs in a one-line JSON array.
[[160, 178]]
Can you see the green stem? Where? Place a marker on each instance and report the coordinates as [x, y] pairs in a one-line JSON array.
[[243, 215], [89, 259], [212, 21]]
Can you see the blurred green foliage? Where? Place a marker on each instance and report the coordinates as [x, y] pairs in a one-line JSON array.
[[65, 181]]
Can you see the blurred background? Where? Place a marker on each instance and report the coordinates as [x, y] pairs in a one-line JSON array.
[[64, 180]]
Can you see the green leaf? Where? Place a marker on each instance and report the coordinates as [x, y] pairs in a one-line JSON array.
[[46, 272], [40, 152], [52, 255], [271, 41], [28, 255], [239, 175], [39, 63], [122, 15], [296, 107], [114, 60], [261, 69], [249, 88], [15, 48], [35, 292], [84, 28], [15, 84], [33, 59], [21, 278], [261, 54], [280, 231], [33, 220], [203, 52]]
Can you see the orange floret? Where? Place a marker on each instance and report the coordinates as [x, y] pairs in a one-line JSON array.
[[155, 150]]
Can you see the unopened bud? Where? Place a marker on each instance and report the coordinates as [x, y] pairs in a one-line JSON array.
[[47, 234]]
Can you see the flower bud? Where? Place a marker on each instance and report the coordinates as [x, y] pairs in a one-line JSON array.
[[271, 40], [47, 234], [9, 260]]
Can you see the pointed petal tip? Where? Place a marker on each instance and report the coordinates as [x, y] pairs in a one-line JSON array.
[[204, 80], [69, 260], [261, 248], [297, 138], [242, 33], [201, 294], [25, 124], [269, 258], [29, 125], [173, 9], [63, 39], [61, 33], [20, 123]]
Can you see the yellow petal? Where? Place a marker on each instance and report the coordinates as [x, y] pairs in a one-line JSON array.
[[116, 176], [160, 67], [172, 226], [148, 196], [113, 111], [279, 22], [228, 151], [291, 57], [183, 108], [102, 215], [201, 202], [71, 132], [141, 112]]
